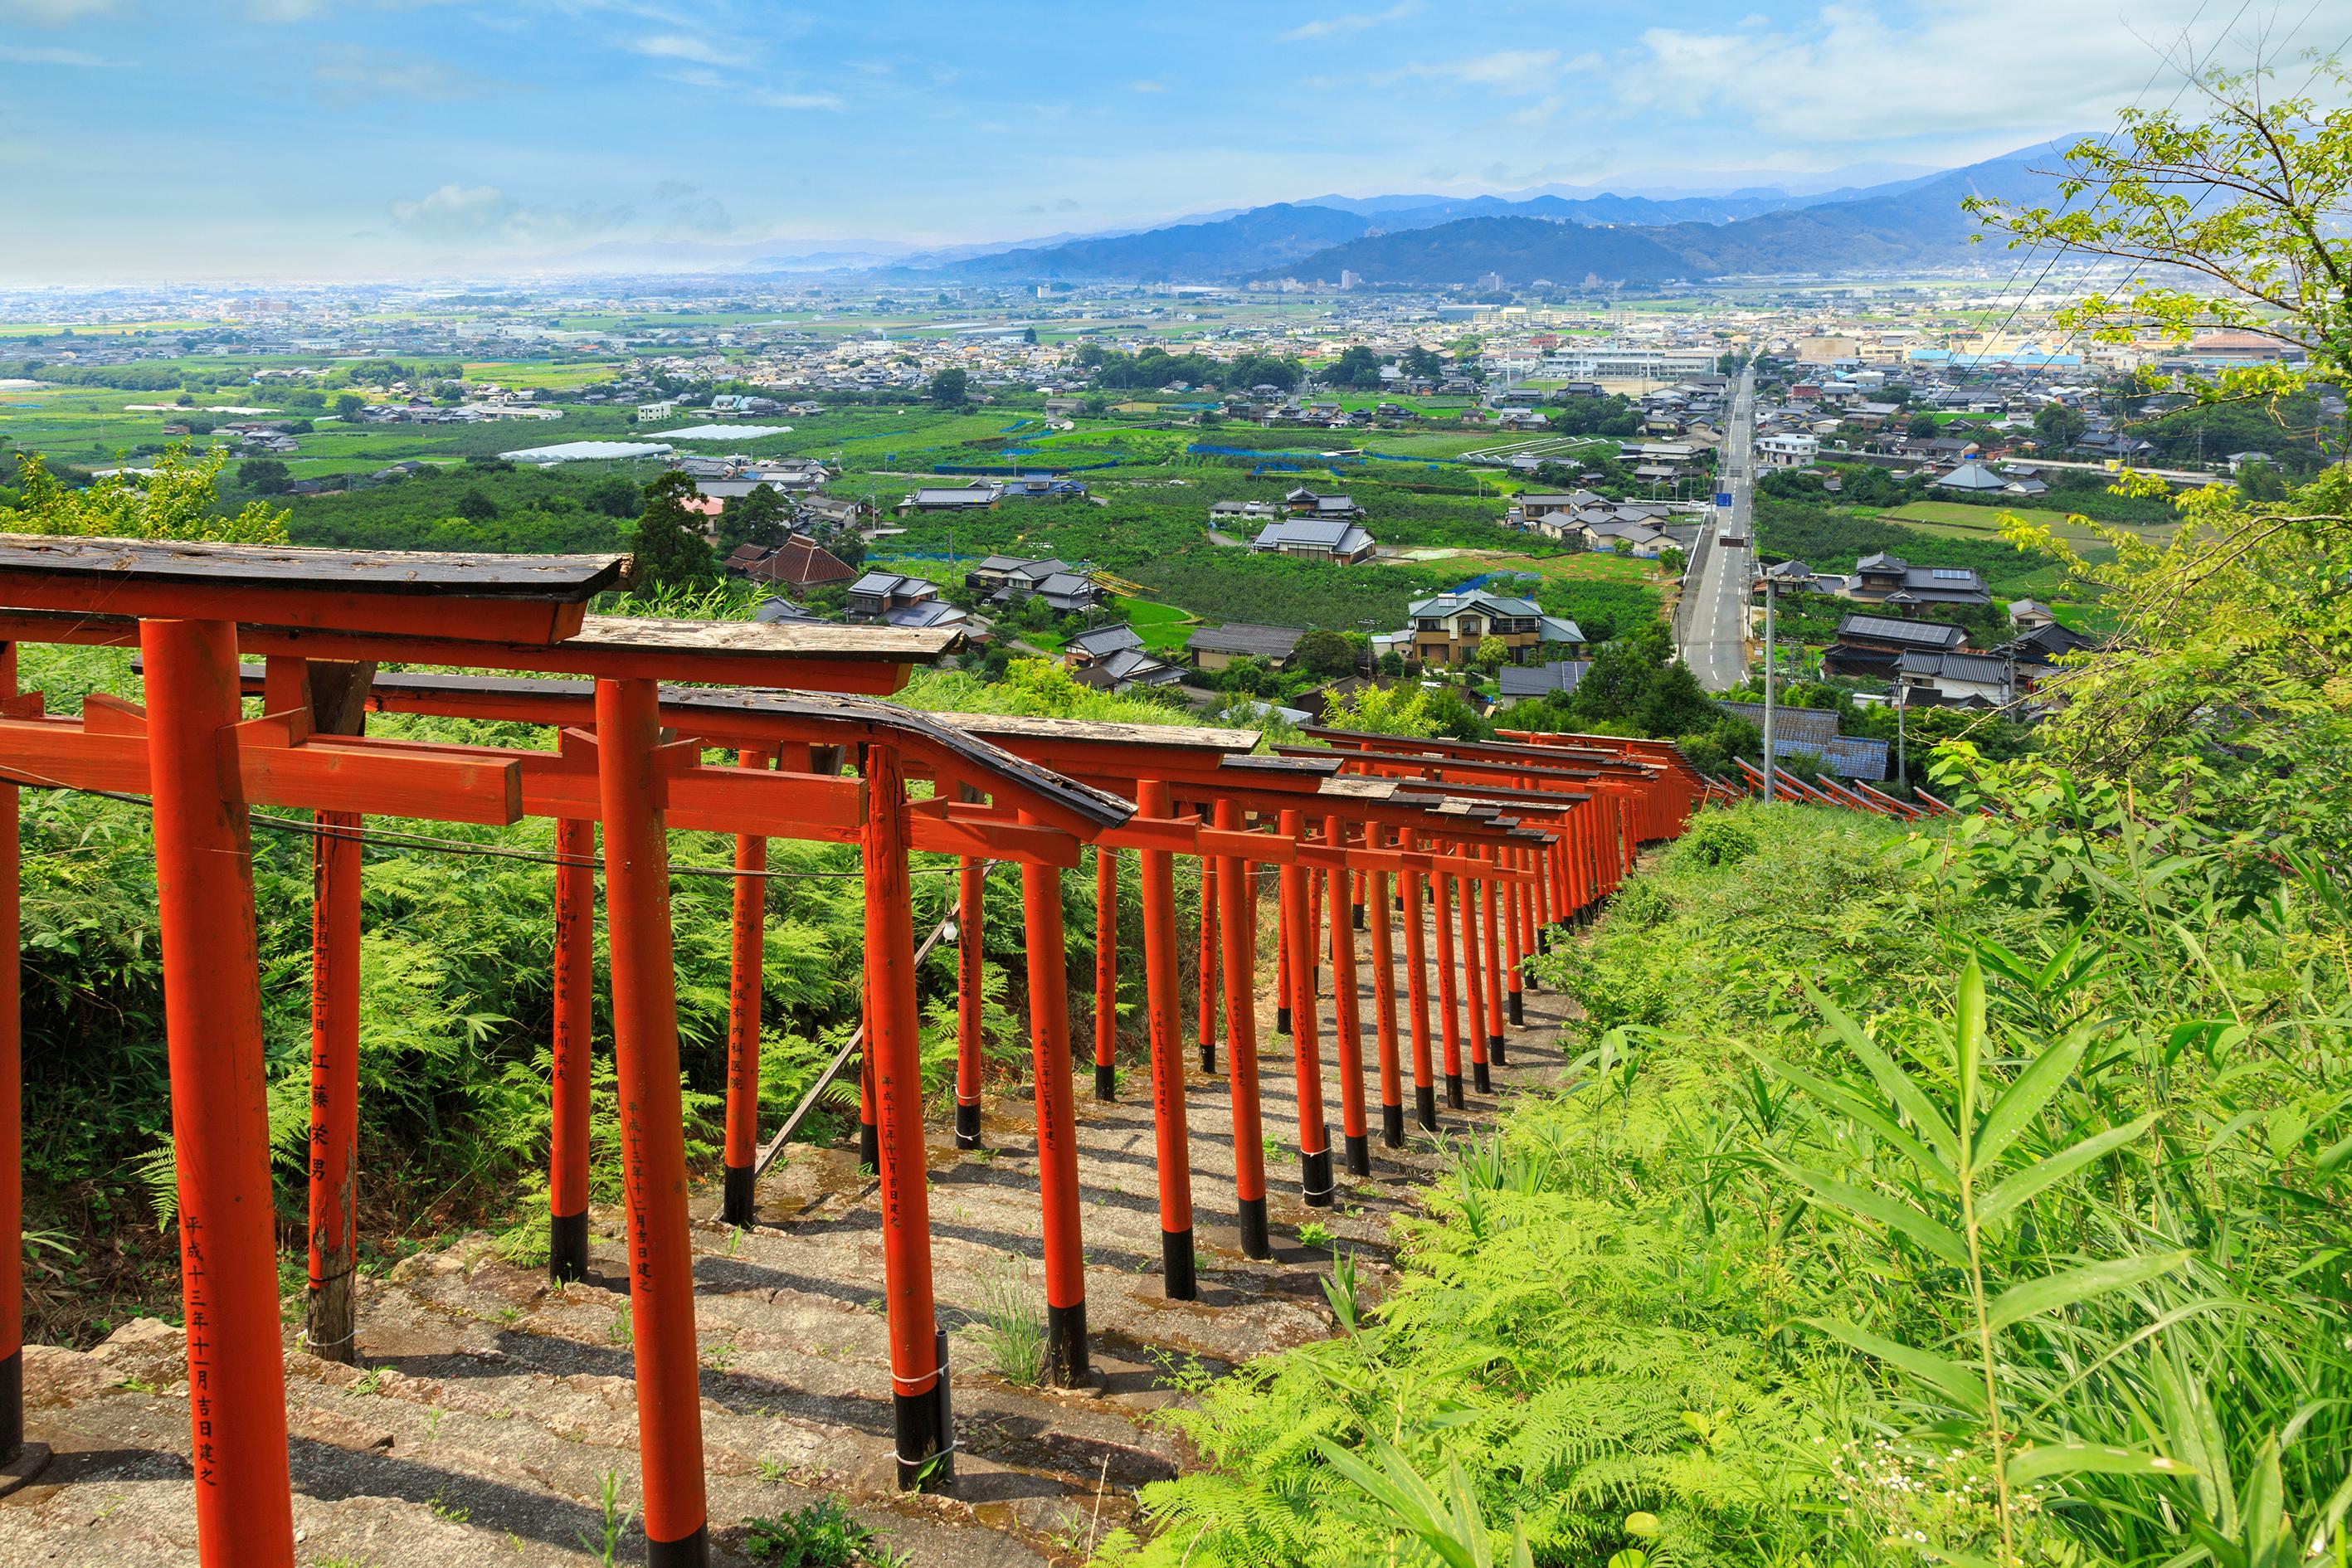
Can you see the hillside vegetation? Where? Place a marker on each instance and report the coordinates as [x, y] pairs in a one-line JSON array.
[[1971, 1195]]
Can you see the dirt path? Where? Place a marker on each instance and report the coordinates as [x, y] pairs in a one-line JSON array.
[[490, 1407]]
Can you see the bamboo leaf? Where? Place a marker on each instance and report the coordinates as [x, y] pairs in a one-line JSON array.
[[1967, 1049], [1850, 1104], [1882, 1210], [2047, 1459], [1892, 1080], [1962, 1384], [2051, 1292], [2057, 1168], [2022, 1100]]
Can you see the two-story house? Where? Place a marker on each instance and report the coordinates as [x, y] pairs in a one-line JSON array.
[[1447, 628]]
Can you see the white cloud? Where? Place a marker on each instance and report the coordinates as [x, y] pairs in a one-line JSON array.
[[485, 213], [1952, 65], [349, 71], [684, 47], [772, 98], [53, 13], [1505, 70], [282, 10], [1351, 22], [40, 56], [1146, 86]]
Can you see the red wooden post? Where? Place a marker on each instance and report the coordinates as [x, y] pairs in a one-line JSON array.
[[1384, 1007], [1282, 1021], [1348, 1023], [1205, 1020], [1163, 997], [1493, 954], [1106, 971], [1057, 1149], [331, 1318], [917, 1380], [12, 1130], [653, 1138], [970, 1007], [1473, 988], [1441, 921], [220, 1123], [575, 1021], [1238, 937], [741, 1153], [1314, 938], [1416, 980], [1306, 1062]]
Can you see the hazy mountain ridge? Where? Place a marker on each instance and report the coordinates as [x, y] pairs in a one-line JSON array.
[[1435, 241]]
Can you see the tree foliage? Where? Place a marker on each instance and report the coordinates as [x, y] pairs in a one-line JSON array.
[[179, 501]]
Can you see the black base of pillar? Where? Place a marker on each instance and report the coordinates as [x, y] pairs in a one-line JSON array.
[[1498, 1054], [740, 1197], [923, 1425], [12, 1406], [1282, 1020], [1315, 1177], [1515, 1008], [1425, 1106], [567, 1246], [1493, 1048], [694, 1551], [1393, 1125], [1356, 915], [1453, 1090], [1360, 1155], [1106, 1081], [869, 1147], [967, 1131], [1208, 1056], [1066, 1345], [1479, 1079], [1257, 1241], [1176, 1261]]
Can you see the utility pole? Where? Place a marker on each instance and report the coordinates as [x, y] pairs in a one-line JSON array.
[[1902, 754], [1771, 766]]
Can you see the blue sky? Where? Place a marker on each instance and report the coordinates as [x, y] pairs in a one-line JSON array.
[[324, 138]]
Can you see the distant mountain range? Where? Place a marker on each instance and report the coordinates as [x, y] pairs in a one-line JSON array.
[[1432, 241]]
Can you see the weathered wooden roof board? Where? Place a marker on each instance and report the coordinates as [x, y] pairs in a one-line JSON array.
[[796, 640], [566, 579], [1186, 737]]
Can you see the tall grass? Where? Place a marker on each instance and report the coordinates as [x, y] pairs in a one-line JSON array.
[[1972, 1195]]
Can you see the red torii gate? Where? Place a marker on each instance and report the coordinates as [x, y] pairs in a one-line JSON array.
[[759, 723], [191, 609]]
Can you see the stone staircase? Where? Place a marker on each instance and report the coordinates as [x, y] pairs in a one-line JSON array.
[[489, 1408]]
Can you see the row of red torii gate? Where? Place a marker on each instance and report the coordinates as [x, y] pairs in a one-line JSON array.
[[1501, 842]]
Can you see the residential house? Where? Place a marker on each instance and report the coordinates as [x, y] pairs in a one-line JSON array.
[[1043, 487], [1088, 647], [994, 574], [1954, 678], [1972, 479], [797, 565], [1306, 502], [1223, 512], [1556, 678], [1315, 538], [1813, 733], [877, 594], [1448, 627], [1214, 647], [2031, 615], [960, 497], [1127, 668], [1870, 646], [833, 512], [1786, 452], [1891, 580]]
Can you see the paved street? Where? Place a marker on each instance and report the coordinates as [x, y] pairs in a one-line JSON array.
[[1714, 637]]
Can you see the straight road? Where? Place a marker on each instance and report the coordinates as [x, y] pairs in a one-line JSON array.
[[1714, 638]]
